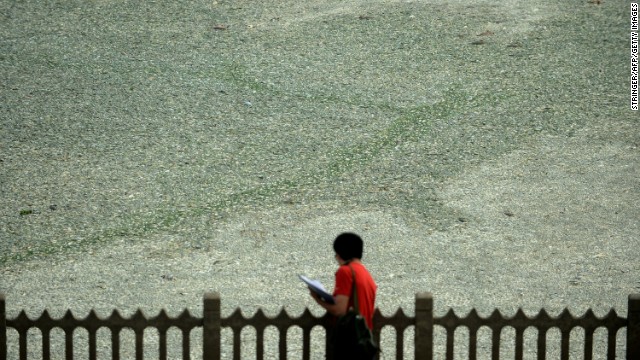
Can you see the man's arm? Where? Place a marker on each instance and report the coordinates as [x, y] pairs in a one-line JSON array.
[[337, 309]]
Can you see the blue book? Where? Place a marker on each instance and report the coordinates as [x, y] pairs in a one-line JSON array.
[[317, 288]]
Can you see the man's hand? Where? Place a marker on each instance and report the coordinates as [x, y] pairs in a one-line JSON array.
[[315, 296], [337, 309]]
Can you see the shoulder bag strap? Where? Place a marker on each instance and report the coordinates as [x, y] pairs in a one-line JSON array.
[[354, 292]]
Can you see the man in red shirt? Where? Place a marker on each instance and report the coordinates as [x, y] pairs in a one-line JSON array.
[[348, 249]]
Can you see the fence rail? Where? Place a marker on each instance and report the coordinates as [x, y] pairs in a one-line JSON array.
[[423, 323]]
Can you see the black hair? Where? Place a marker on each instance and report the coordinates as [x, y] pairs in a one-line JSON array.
[[348, 246]]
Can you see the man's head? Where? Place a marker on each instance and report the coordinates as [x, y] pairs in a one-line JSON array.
[[348, 246]]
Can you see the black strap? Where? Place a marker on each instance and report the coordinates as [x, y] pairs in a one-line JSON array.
[[354, 291]]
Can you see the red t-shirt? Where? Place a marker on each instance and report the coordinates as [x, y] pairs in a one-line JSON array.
[[365, 286]]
